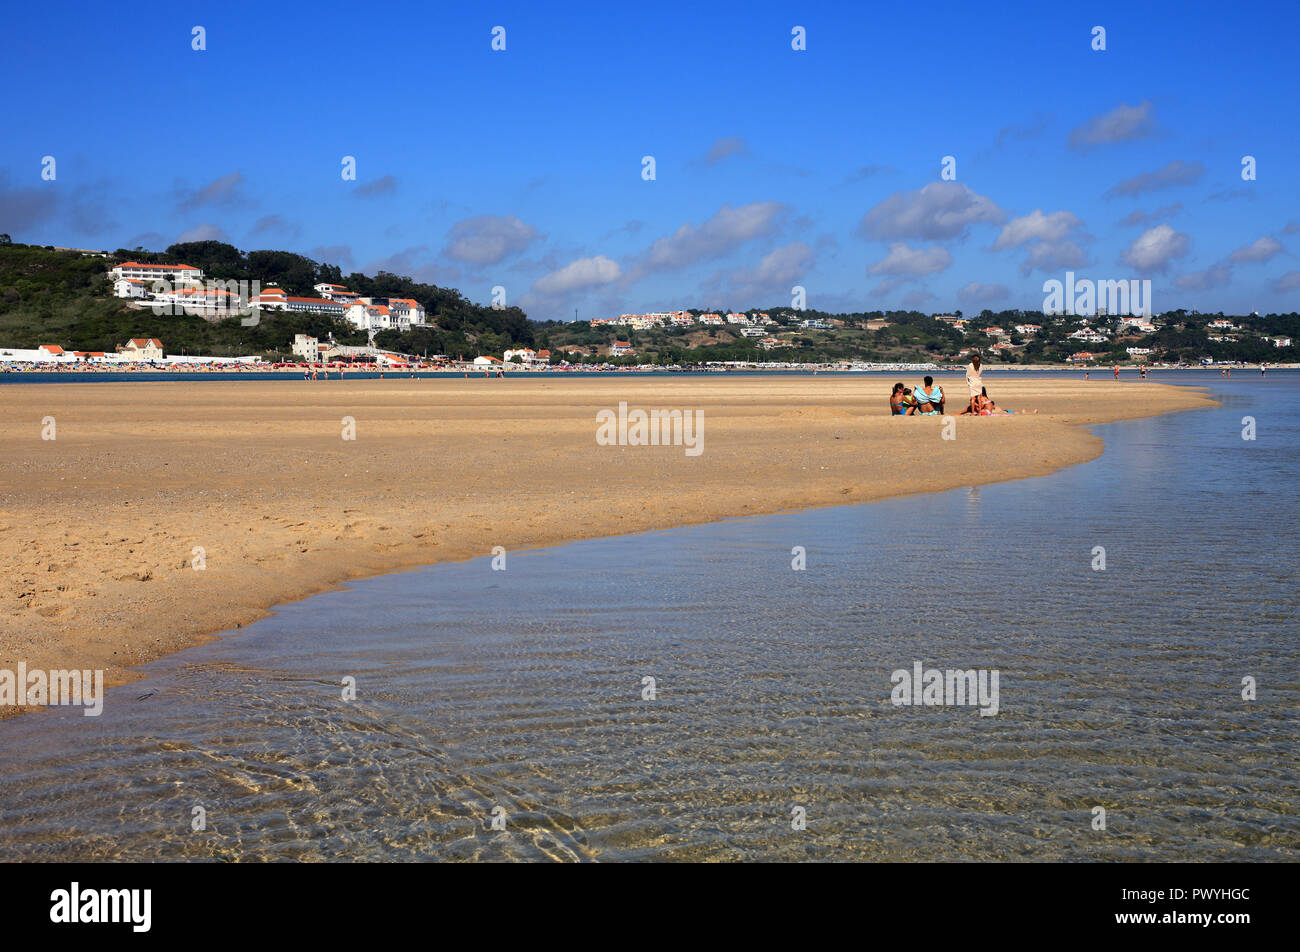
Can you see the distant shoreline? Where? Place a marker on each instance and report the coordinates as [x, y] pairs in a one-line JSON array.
[[162, 374]]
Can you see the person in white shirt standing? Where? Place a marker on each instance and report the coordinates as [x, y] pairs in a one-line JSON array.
[[974, 378]]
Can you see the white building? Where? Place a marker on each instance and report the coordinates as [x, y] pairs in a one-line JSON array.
[[753, 332], [620, 348], [1026, 330], [527, 356], [174, 273], [307, 347], [407, 311], [206, 302], [1281, 342], [1137, 351], [382, 314], [130, 288], [275, 299]]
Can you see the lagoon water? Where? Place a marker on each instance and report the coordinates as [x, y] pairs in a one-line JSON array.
[[519, 693]]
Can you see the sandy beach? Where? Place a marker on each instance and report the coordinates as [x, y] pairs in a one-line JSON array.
[[101, 527]]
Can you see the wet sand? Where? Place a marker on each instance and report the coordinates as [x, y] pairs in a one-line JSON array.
[[101, 528]]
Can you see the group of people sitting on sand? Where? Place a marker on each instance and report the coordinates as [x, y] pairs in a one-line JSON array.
[[929, 400]]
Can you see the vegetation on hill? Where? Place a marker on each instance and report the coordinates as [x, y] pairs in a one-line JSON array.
[[49, 296]]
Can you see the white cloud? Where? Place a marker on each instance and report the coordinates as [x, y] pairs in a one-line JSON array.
[[579, 275], [779, 267], [1156, 248], [488, 239], [937, 211], [1124, 123], [1204, 280], [204, 232], [1051, 240], [1288, 282], [1036, 227], [1261, 249], [1176, 172], [912, 262], [727, 230], [226, 190], [725, 147], [977, 295]]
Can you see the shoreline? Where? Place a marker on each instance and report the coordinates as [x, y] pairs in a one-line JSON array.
[[100, 525]]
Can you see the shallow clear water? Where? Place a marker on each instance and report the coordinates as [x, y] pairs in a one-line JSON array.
[[522, 689]]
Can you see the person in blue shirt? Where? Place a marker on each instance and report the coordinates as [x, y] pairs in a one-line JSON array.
[[929, 398]]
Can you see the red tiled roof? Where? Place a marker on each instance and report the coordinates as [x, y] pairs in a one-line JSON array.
[[51, 348], [168, 267]]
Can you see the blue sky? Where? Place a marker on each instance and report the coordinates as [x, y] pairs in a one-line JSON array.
[[773, 167]]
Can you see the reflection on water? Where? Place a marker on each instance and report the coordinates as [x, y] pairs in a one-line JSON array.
[[522, 691]]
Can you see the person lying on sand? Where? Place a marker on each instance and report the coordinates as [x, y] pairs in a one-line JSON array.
[[982, 405]]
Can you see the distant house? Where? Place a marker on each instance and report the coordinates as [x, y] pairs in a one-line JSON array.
[[52, 350], [1137, 351], [382, 314], [487, 361], [305, 346], [142, 349], [1082, 356], [130, 288], [526, 355], [620, 348], [1025, 330], [1281, 342], [336, 292], [995, 332]]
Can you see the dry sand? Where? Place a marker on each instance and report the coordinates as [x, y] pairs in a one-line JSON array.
[[98, 527]]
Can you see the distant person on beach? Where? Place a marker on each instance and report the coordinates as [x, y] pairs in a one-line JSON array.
[[1087, 375], [1115, 367], [974, 376], [1263, 370], [1142, 371], [929, 398]]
